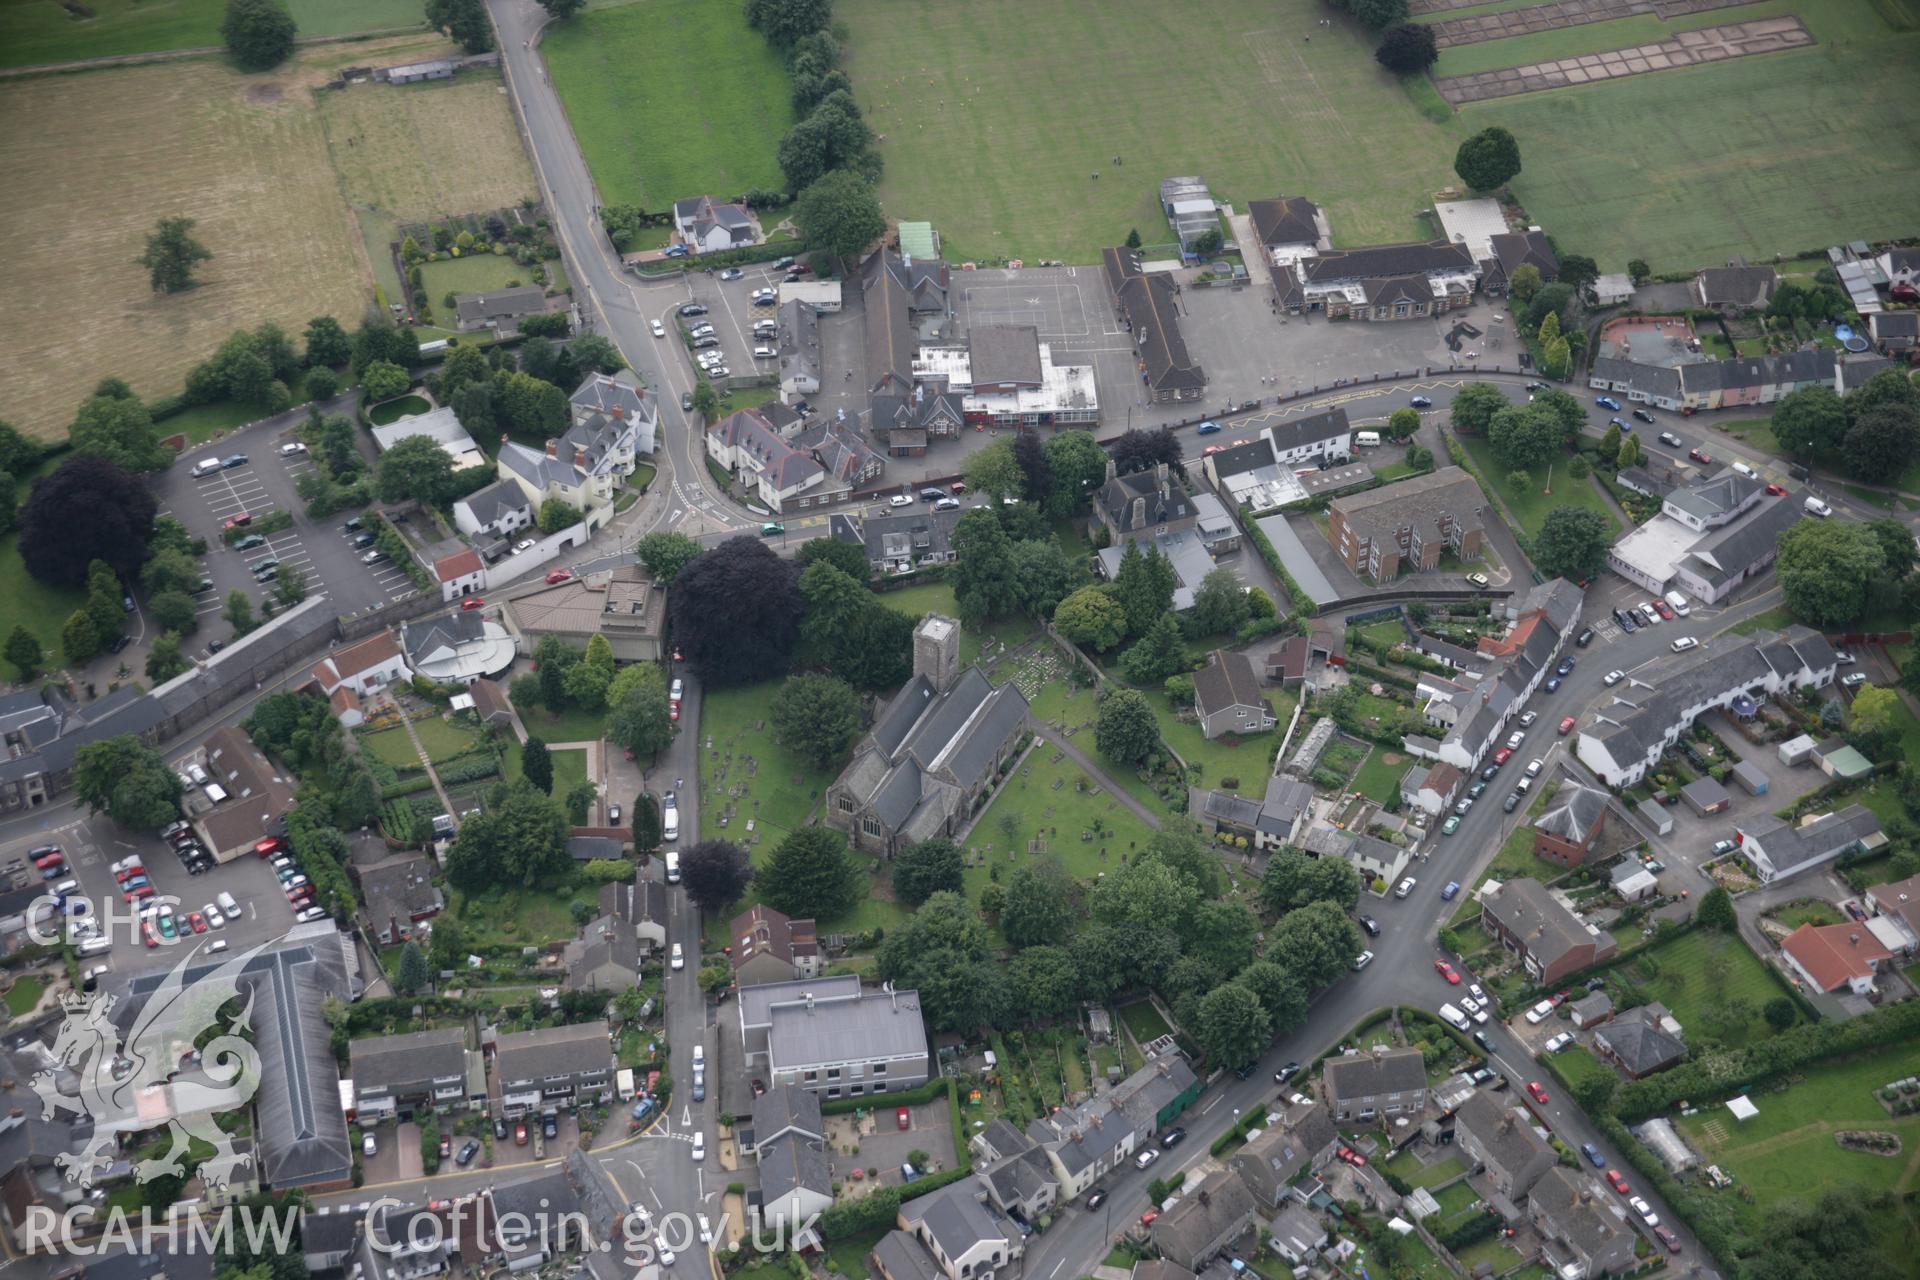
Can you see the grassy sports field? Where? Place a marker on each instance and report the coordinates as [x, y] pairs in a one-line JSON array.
[[671, 100], [425, 150], [243, 155], [995, 112], [37, 31], [1751, 156]]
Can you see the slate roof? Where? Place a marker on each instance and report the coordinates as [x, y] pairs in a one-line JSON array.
[[1656, 380], [600, 394], [916, 534], [1738, 286], [1387, 261], [753, 432], [890, 342], [1639, 1042], [500, 304], [783, 1107], [1241, 458], [954, 1218], [1792, 368], [1116, 498], [1507, 1140], [1726, 490], [1019, 1177], [1584, 1217], [840, 451], [422, 638], [900, 1256], [387, 1061], [1572, 812], [1269, 1162], [1315, 428], [789, 1163], [1147, 302], [871, 1026], [1526, 910], [1516, 248], [760, 930], [1789, 848], [1734, 549], [1379, 514], [1362, 1075], [399, 891], [1676, 683], [1285, 220], [552, 1051], [590, 959], [496, 500], [1598, 1004], [1004, 354], [1190, 1228], [1227, 681]]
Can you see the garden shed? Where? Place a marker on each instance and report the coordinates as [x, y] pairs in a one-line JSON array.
[[1656, 816], [1796, 750], [1706, 796], [1751, 780]]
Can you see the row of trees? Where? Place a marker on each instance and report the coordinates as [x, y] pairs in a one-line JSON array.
[[1873, 432], [1833, 572]]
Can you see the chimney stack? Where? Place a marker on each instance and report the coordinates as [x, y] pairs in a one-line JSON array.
[[580, 457], [553, 449]]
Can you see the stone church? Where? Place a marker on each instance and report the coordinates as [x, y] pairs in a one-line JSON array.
[[932, 753]]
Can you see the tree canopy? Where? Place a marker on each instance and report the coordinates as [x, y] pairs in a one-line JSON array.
[[1825, 569], [840, 213], [1407, 47], [926, 868], [817, 717], [811, 874], [118, 427], [715, 873], [1091, 617], [735, 612], [1474, 406], [665, 554], [129, 780], [1489, 159], [1573, 543], [519, 839], [638, 717], [172, 253], [1125, 728], [58, 547]]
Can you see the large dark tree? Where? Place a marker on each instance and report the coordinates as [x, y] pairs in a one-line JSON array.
[[982, 574], [786, 22], [1407, 48], [811, 874], [1138, 450], [1488, 159], [1042, 904], [1882, 442], [735, 612], [646, 823], [1293, 880], [464, 21], [113, 424], [1810, 422], [838, 212], [1031, 454], [172, 252], [1573, 543], [817, 717], [925, 869], [715, 873], [327, 342], [536, 764], [1076, 464], [87, 510]]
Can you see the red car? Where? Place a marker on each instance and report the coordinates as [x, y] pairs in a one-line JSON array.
[[1668, 1239], [1353, 1157], [673, 711], [558, 575], [1664, 609], [239, 521], [1503, 755], [268, 847], [1617, 1182], [147, 934], [127, 873], [520, 1134], [1700, 456], [1776, 491], [196, 922], [473, 602], [902, 1117], [1566, 726], [1148, 1218], [1537, 1092], [1446, 971]]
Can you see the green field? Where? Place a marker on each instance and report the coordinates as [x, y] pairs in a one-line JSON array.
[[1787, 1152], [36, 31], [996, 112], [571, 725], [1633, 168], [1056, 803], [26, 601], [1246, 759], [671, 100], [1699, 976], [479, 273], [1530, 508], [1379, 778], [202, 422]]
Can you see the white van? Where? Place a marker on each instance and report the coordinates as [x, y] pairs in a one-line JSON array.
[[1679, 603], [229, 905], [1454, 1016], [673, 867], [699, 1146], [1366, 439], [94, 946], [1816, 507], [670, 827], [1746, 471], [699, 1056]]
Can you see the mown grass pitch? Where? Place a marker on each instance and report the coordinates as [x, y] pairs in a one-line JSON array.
[[671, 100], [996, 112], [1753, 157]]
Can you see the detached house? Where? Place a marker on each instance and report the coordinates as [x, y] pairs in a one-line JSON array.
[[502, 310], [902, 543], [1778, 849], [363, 668], [707, 225], [1511, 251], [1565, 831], [1836, 957], [399, 895], [1735, 287], [933, 752], [1641, 1041], [964, 1241], [770, 947], [1226, 694]]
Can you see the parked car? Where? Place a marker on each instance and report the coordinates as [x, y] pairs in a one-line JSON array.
[[1560, 1042], [1671, 440], [1613, 678], [1537, 1091], [1685, 643], [1451, 825], [1540, 1012], [1617, 1181], [1477, 579], [1146, 1158], [1700, 455], [237, 460], [1643, 415], [1447, 971], [1592, 1153], [1667, 1238], [1645, 1210], [1566, 726], [1607, 402], [468, 1151], [1511, 803], [1172, 1138]]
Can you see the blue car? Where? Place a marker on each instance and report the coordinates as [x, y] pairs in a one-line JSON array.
[[1208, 428], [1453, 887], [1566, 666], [1592, 1153], [1607, 402], [1553, 684]]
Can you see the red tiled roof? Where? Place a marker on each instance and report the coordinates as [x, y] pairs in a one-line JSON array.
[[1835, 954], [342, 664], [458, 565]]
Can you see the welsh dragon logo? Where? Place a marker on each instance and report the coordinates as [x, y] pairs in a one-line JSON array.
[[151, 1079]]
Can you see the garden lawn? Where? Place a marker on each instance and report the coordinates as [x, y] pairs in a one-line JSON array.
[[26, 601], [1773, 619], [1652, 185], [442, 738], [1576, 1063], [1005, 172], [848, 1256], [571, 725], [1054, 801], [1408, 1166], [393, 410], [1246, 760], [518, 917], [671, 100], [1814, 913], [1531, 507], [475, 273], [1379, 778], [1787, 1152], [204, 421], [569, 771], [1144, 1021], [24, 994], [1698, 973], [937, 597], [1071, 709]]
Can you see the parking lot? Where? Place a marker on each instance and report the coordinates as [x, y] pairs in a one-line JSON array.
[[261, 482], [92, 845], [732, 313]]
